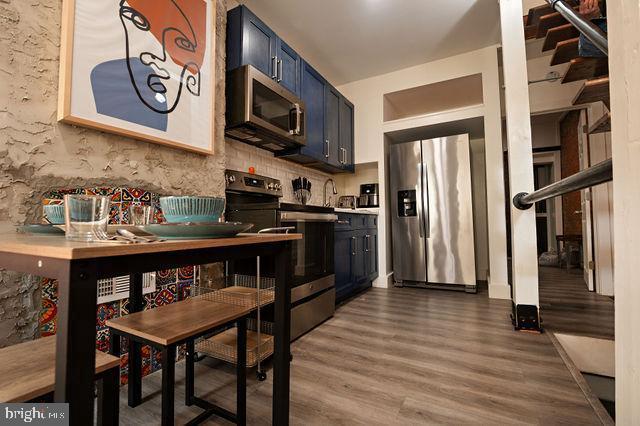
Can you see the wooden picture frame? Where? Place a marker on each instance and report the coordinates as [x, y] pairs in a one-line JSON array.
[[179, 43]]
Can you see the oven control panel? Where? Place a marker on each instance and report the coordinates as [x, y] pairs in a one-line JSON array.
[[246, 182]]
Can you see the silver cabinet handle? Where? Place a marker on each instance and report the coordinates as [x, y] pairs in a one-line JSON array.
[[298, 129], [344, 222], [279, 73], [326, 142], [274, 66], [367, 237], [353, 249]]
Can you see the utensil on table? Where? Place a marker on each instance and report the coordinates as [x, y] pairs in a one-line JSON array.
[[84, 215], [128, 234], [102, 236]]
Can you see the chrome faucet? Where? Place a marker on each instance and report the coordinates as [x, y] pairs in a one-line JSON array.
[[324, 196]]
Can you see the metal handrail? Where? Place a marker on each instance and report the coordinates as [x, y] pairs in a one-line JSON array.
[[586, 27], [594, 175]]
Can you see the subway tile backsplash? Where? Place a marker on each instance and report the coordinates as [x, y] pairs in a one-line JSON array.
[[240, 156]]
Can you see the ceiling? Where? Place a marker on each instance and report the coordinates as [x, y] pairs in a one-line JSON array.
[[348, 40]]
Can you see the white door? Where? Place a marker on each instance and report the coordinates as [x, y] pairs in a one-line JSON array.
[[585, 197]]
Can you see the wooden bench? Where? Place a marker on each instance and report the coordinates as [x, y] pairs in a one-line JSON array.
[[168, 326], [27, 373]]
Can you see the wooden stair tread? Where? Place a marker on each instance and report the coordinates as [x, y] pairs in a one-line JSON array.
[[173, 323], [593, 91], [27, 370], [565, 51], [550, 21], [532, 18], [558, 34], [586, 68], [602, 125]]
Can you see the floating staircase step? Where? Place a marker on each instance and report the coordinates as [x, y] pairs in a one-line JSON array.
[[530, 32], [565, 51], [550, 21], [593, 91], [558, 34], [602, 125], [586, 68], [535, 13]]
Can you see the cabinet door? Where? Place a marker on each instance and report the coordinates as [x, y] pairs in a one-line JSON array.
[[344, 246], [332, 123], [288, 67], [371, 254], [359, 258], [259, 44], [346, 134], [312, 93]]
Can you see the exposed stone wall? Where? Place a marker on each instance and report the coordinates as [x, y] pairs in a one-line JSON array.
[[37, 153], [571, 222]]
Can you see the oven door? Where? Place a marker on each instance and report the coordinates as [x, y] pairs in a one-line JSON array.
[[312, 257]]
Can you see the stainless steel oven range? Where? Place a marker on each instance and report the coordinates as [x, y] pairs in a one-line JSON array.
[[256, 199]]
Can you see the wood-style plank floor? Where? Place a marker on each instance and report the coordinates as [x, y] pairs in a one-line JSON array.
[[398, 357], [567, 306]]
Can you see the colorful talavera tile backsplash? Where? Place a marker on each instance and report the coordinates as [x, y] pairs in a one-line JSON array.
[[171, 285]]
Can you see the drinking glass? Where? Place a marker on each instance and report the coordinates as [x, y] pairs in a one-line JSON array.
[[140, 214], [85, 215]]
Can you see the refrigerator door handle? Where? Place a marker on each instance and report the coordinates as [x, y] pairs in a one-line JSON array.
[[425, 201]]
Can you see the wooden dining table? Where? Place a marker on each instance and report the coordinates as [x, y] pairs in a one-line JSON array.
[[79, 265]]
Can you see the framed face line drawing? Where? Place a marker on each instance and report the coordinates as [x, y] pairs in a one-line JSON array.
[[144, 69]]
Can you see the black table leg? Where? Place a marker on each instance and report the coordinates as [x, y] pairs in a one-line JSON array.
[[109, 398], [135, 359], [241, 373], [282, 335], [189, 391], [168, 383], [76, 340]]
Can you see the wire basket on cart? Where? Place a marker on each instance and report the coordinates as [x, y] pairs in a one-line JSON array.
[[223, 345], [249, 292], [239, 290]]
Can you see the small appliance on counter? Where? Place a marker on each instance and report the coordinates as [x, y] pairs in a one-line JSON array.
[[368, 195], [347, 202]]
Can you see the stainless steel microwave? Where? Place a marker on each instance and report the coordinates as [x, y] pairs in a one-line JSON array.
[[261, 112]]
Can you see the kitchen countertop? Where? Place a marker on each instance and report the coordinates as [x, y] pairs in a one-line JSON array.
[[374, 211]]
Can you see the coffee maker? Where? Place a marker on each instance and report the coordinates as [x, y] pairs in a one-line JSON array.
[[368, 195]]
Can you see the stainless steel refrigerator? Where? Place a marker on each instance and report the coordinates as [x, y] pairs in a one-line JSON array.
[[432, 213]]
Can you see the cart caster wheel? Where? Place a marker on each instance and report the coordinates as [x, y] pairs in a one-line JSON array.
[[261, 375]]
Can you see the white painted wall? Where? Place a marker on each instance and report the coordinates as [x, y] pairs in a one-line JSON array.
[[368, 97], [624, 68]]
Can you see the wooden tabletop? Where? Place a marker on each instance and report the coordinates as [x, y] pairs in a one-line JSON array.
[[57, 247], [27, 370], [172, 323]]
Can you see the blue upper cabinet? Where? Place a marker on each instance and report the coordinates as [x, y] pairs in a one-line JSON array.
[[328, 114], [312, 93], [251, 42], [332, 126], [346, 134], [288, 67]]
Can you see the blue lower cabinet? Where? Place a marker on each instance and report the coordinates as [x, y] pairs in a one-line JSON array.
[[356, 254]]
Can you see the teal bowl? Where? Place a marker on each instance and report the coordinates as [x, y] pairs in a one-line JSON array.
[[54, 213], [183, 209]]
